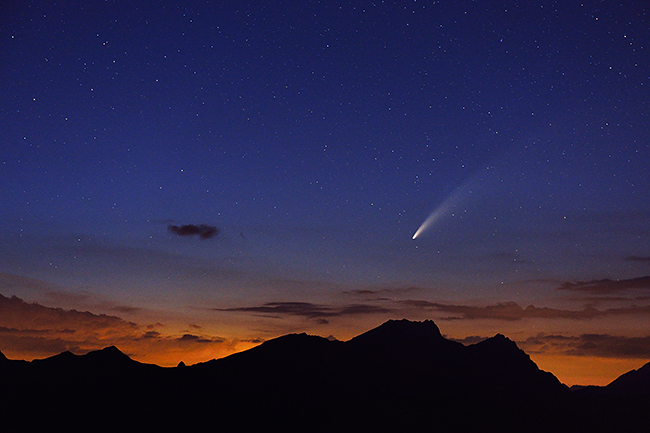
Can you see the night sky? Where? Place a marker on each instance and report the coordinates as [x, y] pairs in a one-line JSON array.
[[188, 179]]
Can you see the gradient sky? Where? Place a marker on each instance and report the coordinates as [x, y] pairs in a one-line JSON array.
[[187, 180]]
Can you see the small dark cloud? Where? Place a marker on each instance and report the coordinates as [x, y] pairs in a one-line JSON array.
[[643, 259], [155, 325], [151, 334], [203, 231], [125, 309], [606, 286], [193, 339], [362, 292], [189, 338], [309, 310], [377, 293]]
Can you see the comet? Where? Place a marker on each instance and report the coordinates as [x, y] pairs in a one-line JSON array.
[[471, 185], [443, 209], [431, 219]]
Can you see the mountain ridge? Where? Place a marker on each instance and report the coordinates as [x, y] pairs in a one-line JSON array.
[[401, 375]]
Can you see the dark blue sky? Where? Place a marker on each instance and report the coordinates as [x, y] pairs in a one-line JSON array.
[[317, 137]]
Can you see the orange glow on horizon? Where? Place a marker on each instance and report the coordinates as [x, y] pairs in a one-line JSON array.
[[579, 370]]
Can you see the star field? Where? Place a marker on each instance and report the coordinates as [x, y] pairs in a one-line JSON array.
[[315, 138]]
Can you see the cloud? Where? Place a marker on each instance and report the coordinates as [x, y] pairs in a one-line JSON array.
[[30, 330], [34, 329], [276, 309], [309, 310], [202, 231], [598, 300], [511, 311], [472, 339], [151, 334], [254, 340], [14, 312], [196, 339], [385, 291], [13, 282], [643, 259], [607, 286], [52, 294], [596, 345]]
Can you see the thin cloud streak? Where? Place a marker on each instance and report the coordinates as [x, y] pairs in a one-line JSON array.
[[607, 286], [308, 310], [641, 259], [595, 345], [384, 291], [511, 311]]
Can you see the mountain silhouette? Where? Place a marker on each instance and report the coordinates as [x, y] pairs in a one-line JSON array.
[[633, 383], [400, 376]]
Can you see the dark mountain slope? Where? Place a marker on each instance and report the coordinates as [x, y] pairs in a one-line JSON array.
[[69, 392], [501, 366], [401, 376], [635, 383], [623, 405]]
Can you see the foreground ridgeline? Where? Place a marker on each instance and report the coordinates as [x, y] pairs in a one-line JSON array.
[[400, 377]]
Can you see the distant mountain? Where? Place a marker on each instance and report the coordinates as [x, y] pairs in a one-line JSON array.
[[401, 333], [623, 405], [109, 358], [635, 383], [400, 376]]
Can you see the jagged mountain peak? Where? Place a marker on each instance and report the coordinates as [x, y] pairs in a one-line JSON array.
[[500, 349], [497, 344], [402, 331]]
